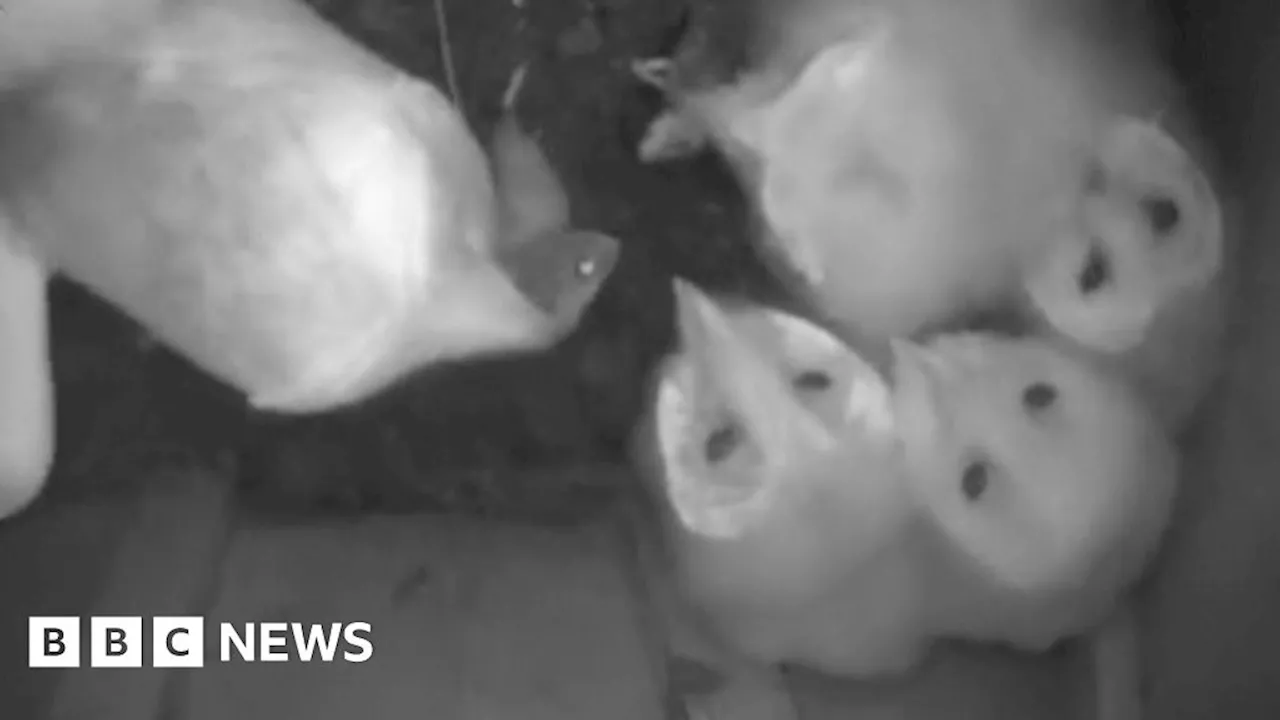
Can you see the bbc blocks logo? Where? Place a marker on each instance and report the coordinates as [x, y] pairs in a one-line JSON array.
[[179, 642]]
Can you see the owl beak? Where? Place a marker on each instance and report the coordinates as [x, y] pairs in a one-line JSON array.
[[706, 331], [918, 375], [697, 316], [709, 334]]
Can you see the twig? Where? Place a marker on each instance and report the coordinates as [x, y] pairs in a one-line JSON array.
[[514, 86], [446, 53]]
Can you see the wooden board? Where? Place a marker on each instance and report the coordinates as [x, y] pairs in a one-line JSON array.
[[470, 621], [152, 551], [166, 563], [52, 561], [1213, 629], [961, 683]]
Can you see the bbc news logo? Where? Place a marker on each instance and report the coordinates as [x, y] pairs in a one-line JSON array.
[[178, 642]]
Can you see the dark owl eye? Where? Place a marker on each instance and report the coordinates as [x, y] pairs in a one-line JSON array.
[[974, 481], [721, 442], [1038, 396], [812, 380], [1096, 271], [1162, 212]]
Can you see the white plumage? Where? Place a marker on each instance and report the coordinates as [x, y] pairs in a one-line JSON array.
[[998, 490], [906, 156], [921, 165], [293, 214]]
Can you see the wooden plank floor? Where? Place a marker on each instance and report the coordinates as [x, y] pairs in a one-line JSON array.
[[53, 562], [139, 553], [469, 619], [166, 563], [469, 622]]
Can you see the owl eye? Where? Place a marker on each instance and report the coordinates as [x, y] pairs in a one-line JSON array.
[[1038, 396], [812, 380], [721, 442], [1162, 212], [1096, 272], [975, 479]]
